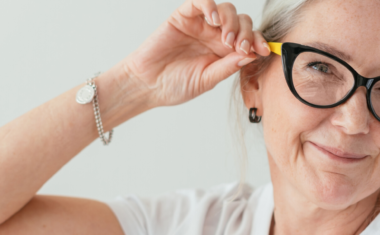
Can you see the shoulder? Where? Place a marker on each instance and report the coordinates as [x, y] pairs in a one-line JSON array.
[[210, 210], [222, 192]]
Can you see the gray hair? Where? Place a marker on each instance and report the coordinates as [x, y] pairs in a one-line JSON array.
[[278, 19]]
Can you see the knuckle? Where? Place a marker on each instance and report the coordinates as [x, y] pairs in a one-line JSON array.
[[208, 3], [246, 18], [228, 5]]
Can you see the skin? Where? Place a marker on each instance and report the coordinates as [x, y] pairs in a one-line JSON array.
[[184, 58], [323, 196]]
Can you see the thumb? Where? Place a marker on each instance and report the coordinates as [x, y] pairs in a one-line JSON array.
[[223, 68]]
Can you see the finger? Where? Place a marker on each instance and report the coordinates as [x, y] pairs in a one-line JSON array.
[[193, 8], [223, 68], [260, 45], [230, 23], [245, 37]]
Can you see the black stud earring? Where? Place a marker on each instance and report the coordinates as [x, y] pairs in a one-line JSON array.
[[253, 117]]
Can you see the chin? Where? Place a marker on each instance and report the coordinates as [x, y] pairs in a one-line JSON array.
[[332, 191]]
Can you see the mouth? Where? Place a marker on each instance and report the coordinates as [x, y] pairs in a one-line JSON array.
[[339, 155]]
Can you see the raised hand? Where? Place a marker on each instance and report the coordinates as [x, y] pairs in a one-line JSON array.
[[199, 45], [185, 57]]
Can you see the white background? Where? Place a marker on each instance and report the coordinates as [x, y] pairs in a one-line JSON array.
[[48, 47]]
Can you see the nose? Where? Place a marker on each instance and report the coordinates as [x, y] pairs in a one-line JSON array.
[[353, 116]]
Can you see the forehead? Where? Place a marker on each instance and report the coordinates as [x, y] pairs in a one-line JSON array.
[[350, 26]]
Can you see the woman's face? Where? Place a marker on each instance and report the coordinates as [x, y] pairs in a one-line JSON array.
[[293, 131]]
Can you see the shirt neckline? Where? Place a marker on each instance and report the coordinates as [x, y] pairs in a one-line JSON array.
[[373, 227], [265, 207]]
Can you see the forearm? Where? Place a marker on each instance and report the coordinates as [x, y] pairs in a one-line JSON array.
[[36, 145]]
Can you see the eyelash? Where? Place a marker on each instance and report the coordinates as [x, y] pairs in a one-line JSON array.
[[316, 62], [311, 64]]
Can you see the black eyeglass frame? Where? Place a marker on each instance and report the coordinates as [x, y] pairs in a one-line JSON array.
[[290, 52]]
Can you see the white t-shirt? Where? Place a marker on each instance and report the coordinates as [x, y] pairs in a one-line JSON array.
[[203, 212]]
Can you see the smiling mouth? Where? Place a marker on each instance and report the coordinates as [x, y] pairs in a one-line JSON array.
[[338, 155]]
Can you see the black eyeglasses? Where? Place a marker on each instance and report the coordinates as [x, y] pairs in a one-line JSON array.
[[322, 80]]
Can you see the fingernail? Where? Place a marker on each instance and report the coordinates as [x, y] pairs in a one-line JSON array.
[[252, 49], [266, 46], [244, 46], [207, 21], [215, 18], [245, 61], [230, 39]]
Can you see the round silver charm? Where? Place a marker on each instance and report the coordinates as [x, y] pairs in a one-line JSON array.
[[85, 94]]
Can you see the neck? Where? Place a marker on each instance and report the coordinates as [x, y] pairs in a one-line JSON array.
[[294, 214]]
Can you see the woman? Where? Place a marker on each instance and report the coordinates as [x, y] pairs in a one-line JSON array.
[[320, 117]]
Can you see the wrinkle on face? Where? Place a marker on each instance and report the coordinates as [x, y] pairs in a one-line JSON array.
[[346, 29]]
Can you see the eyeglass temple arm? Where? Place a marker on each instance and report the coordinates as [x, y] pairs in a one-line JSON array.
[[275, 47]]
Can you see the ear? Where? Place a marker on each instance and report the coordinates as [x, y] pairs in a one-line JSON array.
[[251, 87]]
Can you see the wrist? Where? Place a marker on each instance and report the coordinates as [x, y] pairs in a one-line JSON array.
[[121, 96]]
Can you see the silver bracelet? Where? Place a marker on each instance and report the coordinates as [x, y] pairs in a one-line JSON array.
[[87, 94]]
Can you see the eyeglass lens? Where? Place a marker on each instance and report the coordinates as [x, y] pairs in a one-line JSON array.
[[320, 80], [323, 81], [375, 98]]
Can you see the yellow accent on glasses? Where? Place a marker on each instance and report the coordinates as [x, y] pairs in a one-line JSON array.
[[275, 47]]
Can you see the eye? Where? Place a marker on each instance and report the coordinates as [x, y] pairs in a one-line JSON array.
[[376, 87], [320, 66]]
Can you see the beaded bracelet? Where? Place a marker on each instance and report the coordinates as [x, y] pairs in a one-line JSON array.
[[87, 94]]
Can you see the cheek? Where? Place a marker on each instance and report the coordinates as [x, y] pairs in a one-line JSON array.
[[287, 123], [286, 120], [375, 131]]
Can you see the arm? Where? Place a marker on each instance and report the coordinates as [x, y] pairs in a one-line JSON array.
[[36, 145], [51, 215], [184, 58]]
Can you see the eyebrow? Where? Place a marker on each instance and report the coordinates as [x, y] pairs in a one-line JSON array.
[[331, 50]]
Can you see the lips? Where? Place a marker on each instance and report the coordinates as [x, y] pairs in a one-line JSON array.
[[338, 152]]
